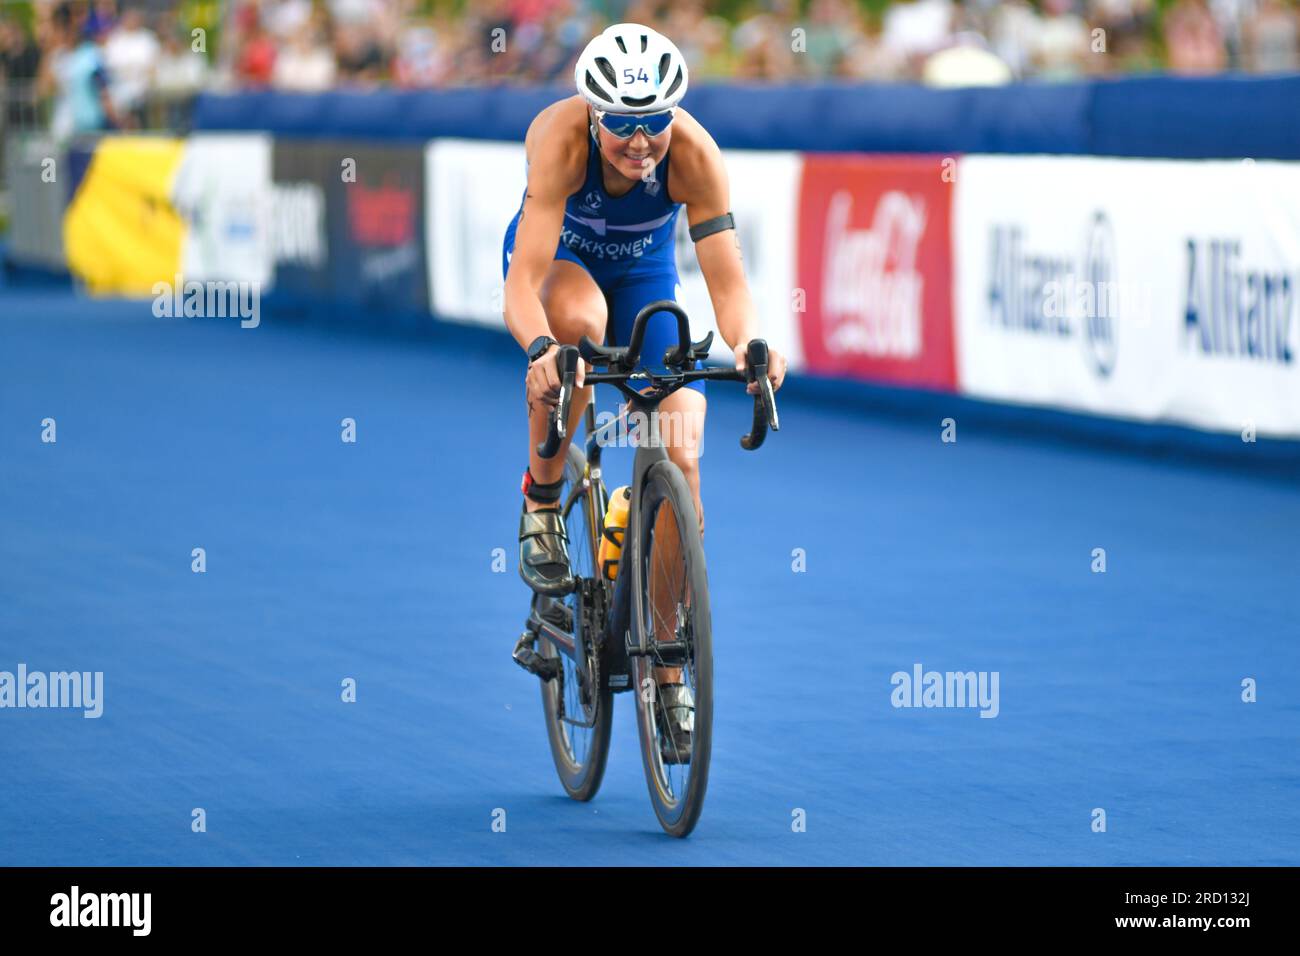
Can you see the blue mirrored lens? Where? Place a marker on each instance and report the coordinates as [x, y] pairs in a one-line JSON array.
[[624, 126]]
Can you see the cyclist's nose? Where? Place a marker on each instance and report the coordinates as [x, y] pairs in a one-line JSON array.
[[639, 142]]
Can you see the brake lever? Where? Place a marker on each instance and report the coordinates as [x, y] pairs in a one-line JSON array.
[[765, 401], [567, 365]]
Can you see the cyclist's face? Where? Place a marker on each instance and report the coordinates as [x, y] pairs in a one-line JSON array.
[[633, 156]]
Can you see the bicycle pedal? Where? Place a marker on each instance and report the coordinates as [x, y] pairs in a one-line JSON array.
[[675, 750], [534, 663]]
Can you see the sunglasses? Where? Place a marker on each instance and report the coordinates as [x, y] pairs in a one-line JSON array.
[[625, 125]]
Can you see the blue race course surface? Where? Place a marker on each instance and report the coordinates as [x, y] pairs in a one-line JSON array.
[[374, 561]]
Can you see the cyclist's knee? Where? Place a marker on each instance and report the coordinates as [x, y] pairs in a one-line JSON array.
[[569, 325], [574, 305], [681, 427], [685, 457]]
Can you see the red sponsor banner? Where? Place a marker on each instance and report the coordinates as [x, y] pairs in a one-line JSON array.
[[382, 215], [875, 265]]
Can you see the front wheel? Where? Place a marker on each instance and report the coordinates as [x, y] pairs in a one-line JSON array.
[[671, 619], [577, 711]]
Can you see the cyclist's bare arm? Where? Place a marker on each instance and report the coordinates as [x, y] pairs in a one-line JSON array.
[[698, 178], [557, 157]]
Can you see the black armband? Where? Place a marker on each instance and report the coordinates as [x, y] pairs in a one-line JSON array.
[[710, 226]]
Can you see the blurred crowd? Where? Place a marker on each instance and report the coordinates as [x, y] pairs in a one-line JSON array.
[[100, 62]]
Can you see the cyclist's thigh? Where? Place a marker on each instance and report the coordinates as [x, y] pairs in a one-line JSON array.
[[574, 304]]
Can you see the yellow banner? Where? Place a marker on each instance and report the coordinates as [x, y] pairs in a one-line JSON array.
[[121, 233]]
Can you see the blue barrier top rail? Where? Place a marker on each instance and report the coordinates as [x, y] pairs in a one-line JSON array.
[[1220, 117]]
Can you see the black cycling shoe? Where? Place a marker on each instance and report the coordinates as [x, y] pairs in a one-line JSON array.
[[544, 551], [678, 706]]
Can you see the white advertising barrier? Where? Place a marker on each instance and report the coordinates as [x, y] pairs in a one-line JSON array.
[[1154, 290], [475, 189], [765, 202], [223, 191]]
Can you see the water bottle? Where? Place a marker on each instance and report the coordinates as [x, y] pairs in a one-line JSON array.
[[613, 531]]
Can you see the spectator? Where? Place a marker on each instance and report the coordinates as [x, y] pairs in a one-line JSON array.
[[1192, 39], [968, 62], [284, 19], [420, 61], [305, 65], [685, 25], [1062, 48], [180, 74], [310, 45], [256, 61], [1271, 38], [763, 42], [1127, 26], [1231, 16], [20, 63], [832, 31], [131, 57], [72, 71], [915, 29], [100, 17], [566, 30], [360, 57], [716, 56], [20, 58], [870, 59], [1015, 27]]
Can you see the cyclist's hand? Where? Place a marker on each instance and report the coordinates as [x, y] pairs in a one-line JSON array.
[[543, 382], [775, 367]]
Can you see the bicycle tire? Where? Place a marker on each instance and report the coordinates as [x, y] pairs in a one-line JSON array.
[[580, 768], [676, 804]]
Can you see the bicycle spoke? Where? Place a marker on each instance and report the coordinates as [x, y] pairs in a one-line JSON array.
[[668, 586]]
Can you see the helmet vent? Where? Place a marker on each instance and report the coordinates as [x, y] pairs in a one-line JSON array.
[[635, 101], [677, 81], [607, 69], [594, 87], [645, 41], [621, 45]]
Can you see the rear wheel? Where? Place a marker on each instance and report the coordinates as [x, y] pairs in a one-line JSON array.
[[671, 618], [577, 710]]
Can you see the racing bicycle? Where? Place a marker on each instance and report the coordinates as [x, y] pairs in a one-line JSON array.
[[619, 628]]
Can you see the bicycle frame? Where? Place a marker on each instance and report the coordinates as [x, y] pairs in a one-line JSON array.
[[615, 634]]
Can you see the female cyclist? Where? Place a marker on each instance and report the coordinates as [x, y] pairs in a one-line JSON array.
[[593, 240]]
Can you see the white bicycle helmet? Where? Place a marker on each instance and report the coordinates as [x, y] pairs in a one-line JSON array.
[[631, 69]]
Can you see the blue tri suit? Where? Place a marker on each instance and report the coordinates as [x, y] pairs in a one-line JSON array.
[[626, 245]]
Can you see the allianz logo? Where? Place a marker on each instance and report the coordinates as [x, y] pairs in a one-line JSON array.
[[1064, 295], [1232, 308]]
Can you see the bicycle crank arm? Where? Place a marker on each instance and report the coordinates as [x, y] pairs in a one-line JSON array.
[[540, 627]]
